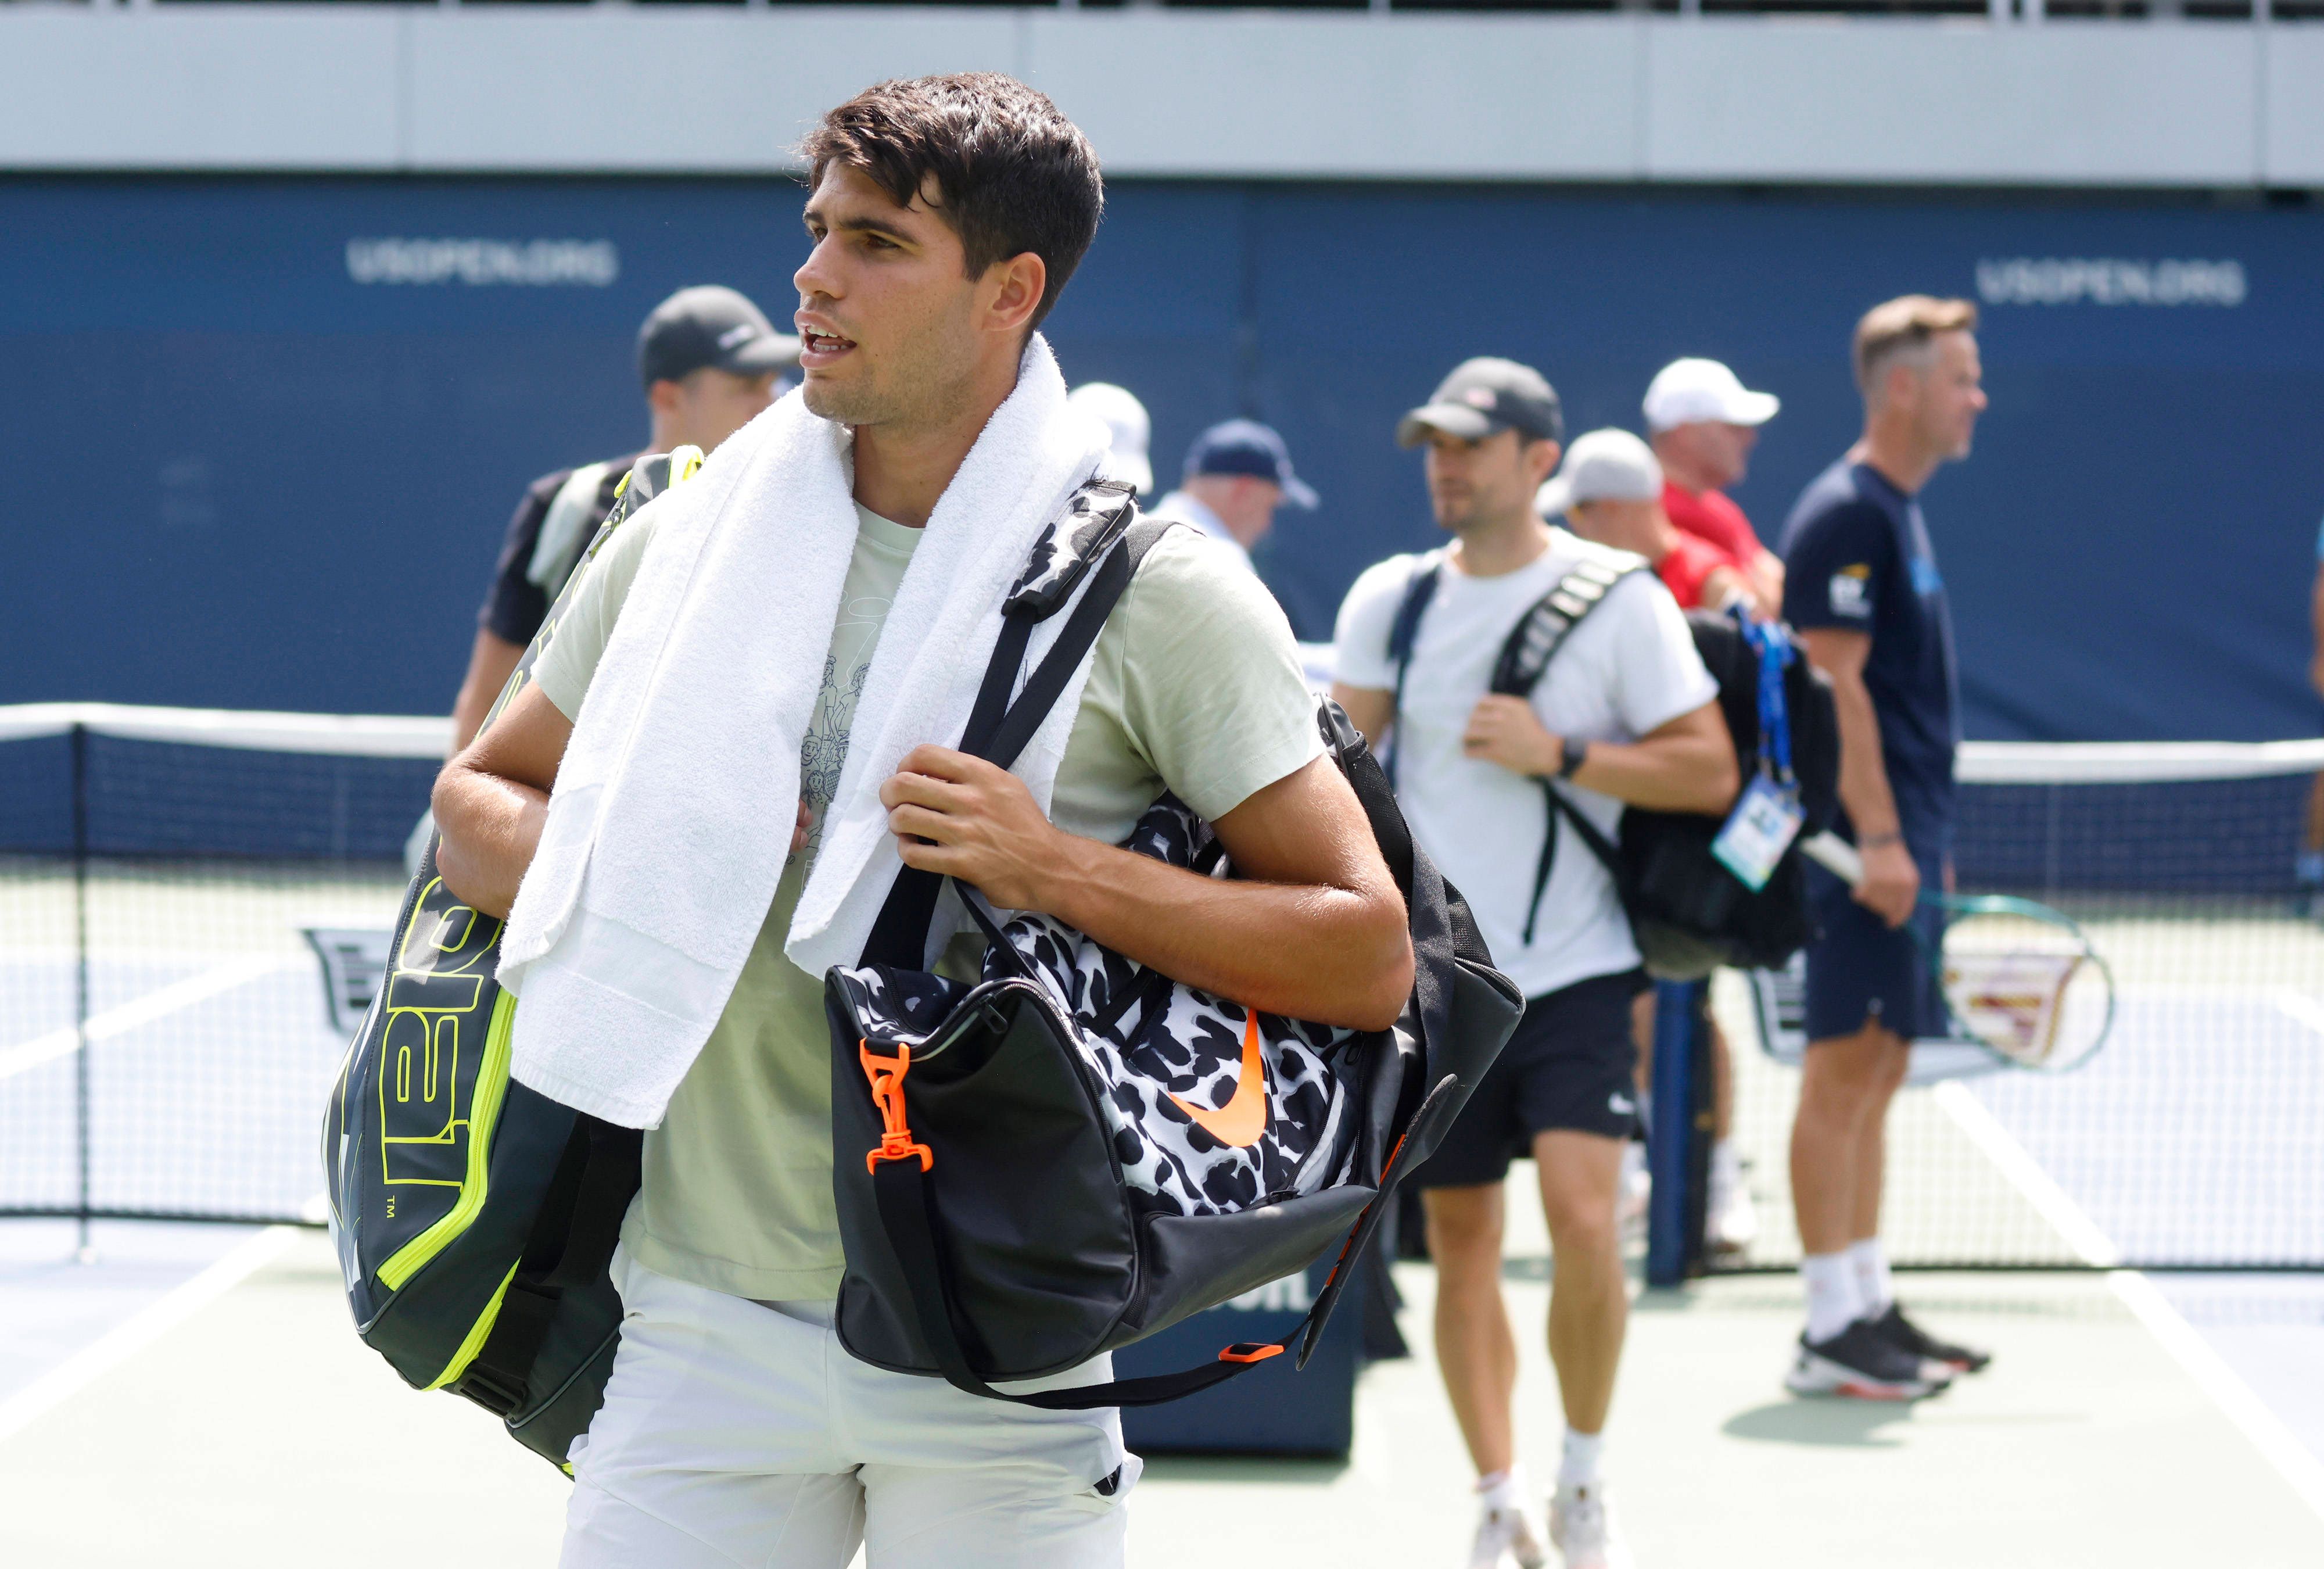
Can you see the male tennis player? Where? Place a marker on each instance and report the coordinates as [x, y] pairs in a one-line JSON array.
[[1624, 712], [710, 360], [1862, 588], [946, 214]]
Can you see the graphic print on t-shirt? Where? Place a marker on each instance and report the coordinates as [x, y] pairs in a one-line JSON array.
[[882, 550]]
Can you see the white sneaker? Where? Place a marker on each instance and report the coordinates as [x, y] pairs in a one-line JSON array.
[[1733, 1220], [1581, 1526], [1637, 1187], [1505, 1533]]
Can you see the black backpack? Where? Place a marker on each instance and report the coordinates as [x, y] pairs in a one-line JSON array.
[[1688, 913], [1022, 1183]]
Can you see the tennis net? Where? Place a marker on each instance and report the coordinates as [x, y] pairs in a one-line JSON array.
[[2195, 1139], [192, 907]]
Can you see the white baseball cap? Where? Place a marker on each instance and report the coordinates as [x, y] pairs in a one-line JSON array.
[[1691, 390], [1608, 465], [1120, 412]]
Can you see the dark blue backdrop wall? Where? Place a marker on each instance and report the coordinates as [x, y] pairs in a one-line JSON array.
[[237, 475]]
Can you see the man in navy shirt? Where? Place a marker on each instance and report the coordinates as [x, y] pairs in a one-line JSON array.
[[1862, 586]]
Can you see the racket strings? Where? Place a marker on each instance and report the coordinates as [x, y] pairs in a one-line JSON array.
[[2032, 990]]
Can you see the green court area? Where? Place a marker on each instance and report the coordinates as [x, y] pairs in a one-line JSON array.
[[256, 1431]]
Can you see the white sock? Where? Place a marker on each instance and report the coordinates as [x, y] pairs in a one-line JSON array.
[[1503, 1491], [1725, 1166], [1577, 1466], [1834, 1298], [1870, 1261]]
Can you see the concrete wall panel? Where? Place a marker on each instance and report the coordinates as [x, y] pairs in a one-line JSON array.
[[1891, 100], [1259, 94], [2293, 107], [1914, 100], [256, 88], [614, 88]]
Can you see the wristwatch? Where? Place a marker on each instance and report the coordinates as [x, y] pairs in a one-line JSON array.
[[1573, 754]]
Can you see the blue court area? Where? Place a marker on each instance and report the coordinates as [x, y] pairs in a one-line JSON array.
[[2196, 1137]]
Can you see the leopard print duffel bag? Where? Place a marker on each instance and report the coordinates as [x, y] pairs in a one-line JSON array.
[[1074, 1152]]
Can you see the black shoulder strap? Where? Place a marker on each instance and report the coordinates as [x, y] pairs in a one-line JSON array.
[[1534, 640], [1524, 659], [1418, 590], [999, 728]]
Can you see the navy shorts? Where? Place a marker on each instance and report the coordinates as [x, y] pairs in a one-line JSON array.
[[1572, 1066], [1859, 968]]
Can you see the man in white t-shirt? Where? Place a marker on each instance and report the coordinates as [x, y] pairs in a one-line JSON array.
[[1624, 713]]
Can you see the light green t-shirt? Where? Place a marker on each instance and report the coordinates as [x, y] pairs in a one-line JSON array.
[[1194, 687]]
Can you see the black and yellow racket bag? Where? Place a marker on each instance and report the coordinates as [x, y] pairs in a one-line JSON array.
[[475, 1218]]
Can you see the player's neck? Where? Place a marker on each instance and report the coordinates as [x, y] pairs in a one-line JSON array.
[[1891, 449], [1493, 549], [902, 469]]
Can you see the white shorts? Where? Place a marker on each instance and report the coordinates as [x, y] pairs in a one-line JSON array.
[[738, 1434]]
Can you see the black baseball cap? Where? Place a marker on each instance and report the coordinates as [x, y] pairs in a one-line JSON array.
[[1484, 396], [710, 326]]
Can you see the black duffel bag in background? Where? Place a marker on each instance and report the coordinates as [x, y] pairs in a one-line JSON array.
[[1075, 1152]]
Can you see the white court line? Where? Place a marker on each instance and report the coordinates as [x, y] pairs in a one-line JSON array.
[[2278, 1444], [143, 1011], [92, 1361], [2304, 1008]]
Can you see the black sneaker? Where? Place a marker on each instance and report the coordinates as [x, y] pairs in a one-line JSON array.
[[1913, 1341], [1861, 1364]]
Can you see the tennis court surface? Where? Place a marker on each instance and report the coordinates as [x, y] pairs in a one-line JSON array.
[[185, 907]]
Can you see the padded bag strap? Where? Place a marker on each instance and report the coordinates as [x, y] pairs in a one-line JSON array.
[[1401, 632], [1525, 657], [571, 1245], [999, 729]]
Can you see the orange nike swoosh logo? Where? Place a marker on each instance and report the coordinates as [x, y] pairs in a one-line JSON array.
[[1243, 1118]]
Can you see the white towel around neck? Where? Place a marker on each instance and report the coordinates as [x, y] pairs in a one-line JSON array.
[[672, 815]]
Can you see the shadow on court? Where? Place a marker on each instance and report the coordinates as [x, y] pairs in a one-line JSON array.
[[1821, 1423]]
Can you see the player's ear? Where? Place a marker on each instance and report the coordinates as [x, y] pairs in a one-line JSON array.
[[1017, 283], [1541, 460]]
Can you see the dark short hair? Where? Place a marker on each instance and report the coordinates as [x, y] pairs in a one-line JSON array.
[[1900, 329], [1012, 174]]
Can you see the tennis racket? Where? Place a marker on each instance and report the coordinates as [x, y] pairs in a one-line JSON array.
[[2019, 978]]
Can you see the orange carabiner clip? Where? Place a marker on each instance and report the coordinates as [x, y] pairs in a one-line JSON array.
[[888, 1093]]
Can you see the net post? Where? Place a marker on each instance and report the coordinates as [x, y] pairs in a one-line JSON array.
[[1670, 1134], [78, 745]]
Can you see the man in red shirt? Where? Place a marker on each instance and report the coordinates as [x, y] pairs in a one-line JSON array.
[[1703, 423], [1610, 490]]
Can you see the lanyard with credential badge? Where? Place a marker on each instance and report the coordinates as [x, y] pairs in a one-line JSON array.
[[1767, 816]]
